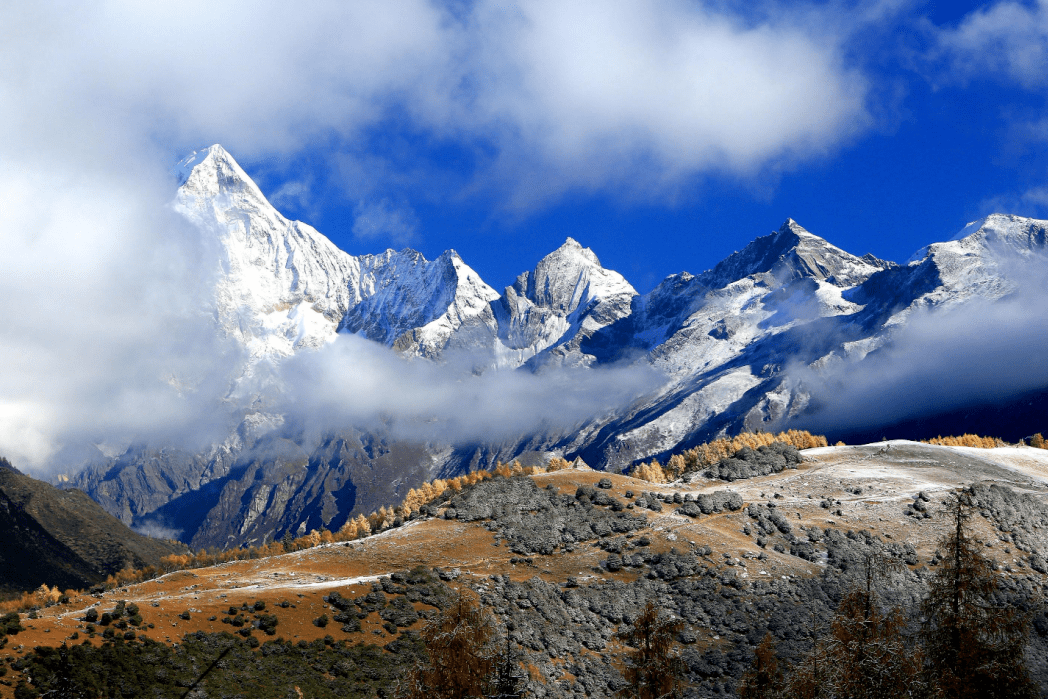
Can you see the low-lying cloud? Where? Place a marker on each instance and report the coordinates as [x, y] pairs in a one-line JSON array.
[[107, 337], [354, 381], [941, 359]]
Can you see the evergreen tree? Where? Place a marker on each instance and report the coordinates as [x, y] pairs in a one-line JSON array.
[[975, 644]]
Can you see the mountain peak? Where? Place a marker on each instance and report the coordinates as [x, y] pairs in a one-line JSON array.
[[571, 252], [789, 253], [791, 227], [212, 170], [1018, 234]]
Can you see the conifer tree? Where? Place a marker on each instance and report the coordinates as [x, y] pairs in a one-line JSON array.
[[867, 653], [464, 659], [654, 670], [764, 680], [975, 644]]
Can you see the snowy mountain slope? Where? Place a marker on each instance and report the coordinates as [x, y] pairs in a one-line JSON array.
[[280, 284], [725, 340], [549, 312], [726, 350], [421, 307]]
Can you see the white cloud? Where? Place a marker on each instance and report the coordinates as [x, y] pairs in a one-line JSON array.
[[294, 196], [386, 220], [940, 360], [1006, 38], [623, 93], [642, 96], [103, 339], [357, 382]]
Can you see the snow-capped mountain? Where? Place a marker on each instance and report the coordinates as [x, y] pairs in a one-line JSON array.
[[727, 337], [725, 341], [550, 311], [281, 285]]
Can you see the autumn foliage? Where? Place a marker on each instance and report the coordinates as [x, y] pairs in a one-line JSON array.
[[698, 458], [966, 440]]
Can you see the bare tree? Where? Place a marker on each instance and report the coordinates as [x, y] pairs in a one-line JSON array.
[[975, 644]]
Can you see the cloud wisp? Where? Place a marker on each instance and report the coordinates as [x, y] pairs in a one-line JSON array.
[[1007, 38], [356, 382]]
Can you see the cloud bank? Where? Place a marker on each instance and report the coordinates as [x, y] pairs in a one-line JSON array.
[[942, 359], [106, 334], [354, 381]]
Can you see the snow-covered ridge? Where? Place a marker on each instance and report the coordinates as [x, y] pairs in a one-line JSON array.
[[283, 285], [722, 338], [280, 283]]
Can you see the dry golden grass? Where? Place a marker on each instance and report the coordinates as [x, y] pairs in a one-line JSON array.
[[359, 527]]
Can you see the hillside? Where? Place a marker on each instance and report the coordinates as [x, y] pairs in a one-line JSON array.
[[565, 559], [64, 538]]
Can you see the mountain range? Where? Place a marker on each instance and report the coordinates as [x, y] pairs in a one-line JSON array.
[[755, 343]]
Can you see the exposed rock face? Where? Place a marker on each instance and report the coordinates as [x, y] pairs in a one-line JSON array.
[[275, 487]]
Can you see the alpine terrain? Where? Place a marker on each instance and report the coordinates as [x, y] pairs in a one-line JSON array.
[[726, 343]]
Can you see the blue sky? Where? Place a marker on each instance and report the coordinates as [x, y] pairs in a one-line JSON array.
[[664, 134], [945, 128]]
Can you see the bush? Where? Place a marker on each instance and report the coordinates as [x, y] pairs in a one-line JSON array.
[[267, 623]]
